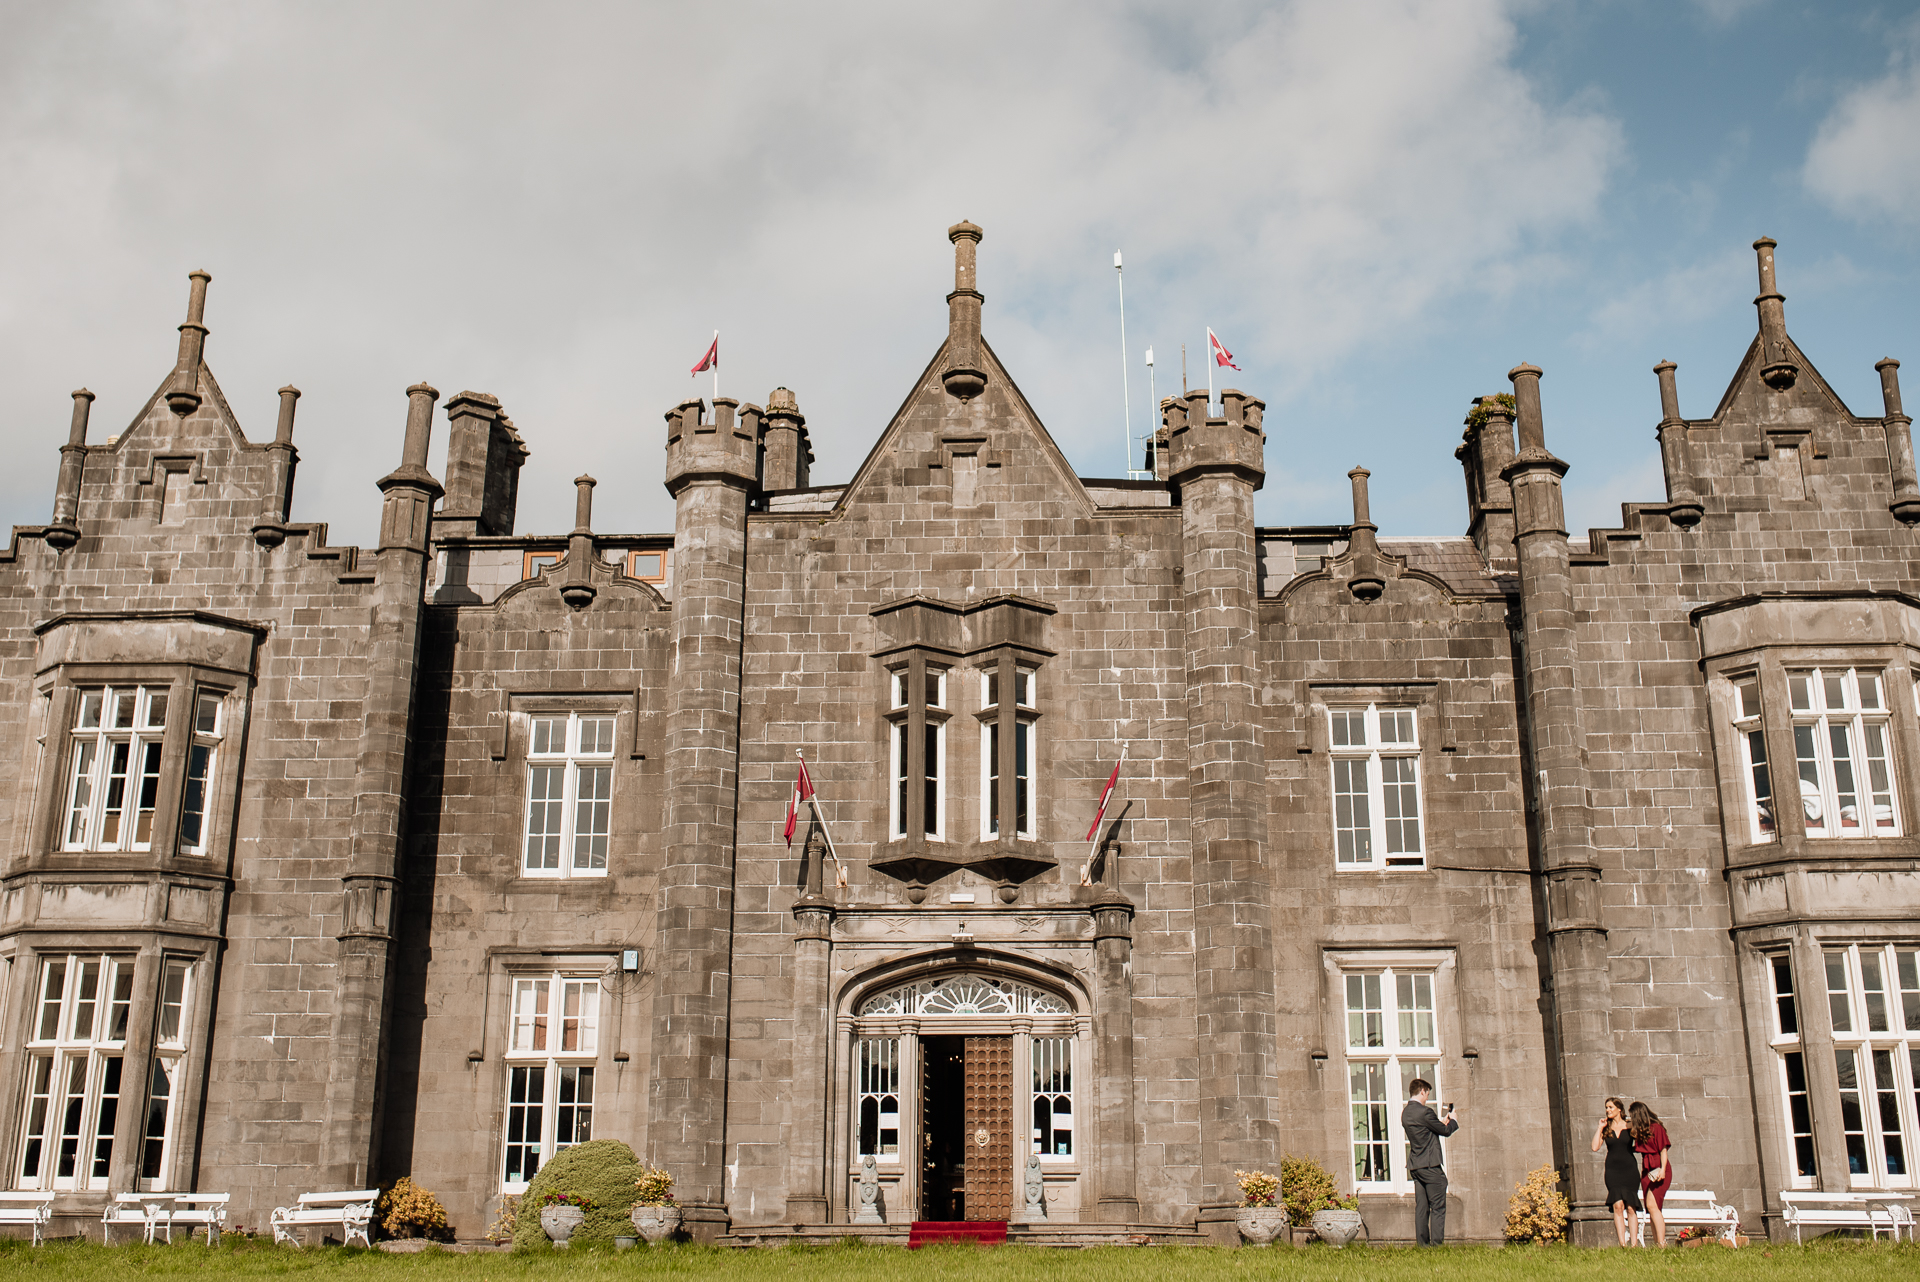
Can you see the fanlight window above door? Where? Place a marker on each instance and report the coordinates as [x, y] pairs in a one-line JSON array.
[[965, 995]]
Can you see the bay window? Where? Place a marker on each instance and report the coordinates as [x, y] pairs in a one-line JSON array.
[[1010, 718], [76, 1060], [1842, 750]]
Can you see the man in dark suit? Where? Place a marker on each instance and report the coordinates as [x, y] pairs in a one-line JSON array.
[[1424, 1130]]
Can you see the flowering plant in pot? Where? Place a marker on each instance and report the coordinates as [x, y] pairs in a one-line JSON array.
[[1259, 1217], [1313, 1198], [654, 1213], [561, 1212]]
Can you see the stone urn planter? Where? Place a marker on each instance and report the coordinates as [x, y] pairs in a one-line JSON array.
[[560, 1222], [1260, 1224], [656, 1223], [1337, 1228]]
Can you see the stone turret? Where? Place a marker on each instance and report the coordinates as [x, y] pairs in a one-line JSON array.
[[1486, 447], [1216, 465], [1577, 940], [711, 469]]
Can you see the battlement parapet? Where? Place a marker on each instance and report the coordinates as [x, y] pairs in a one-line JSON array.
[[1198, 443], [718, 448]]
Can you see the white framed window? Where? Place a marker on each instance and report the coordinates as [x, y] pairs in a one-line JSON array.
[[1791, 1073], [917, 799], [163, 1079], [1755, 771], [1376, 787], [113, 774], [1008, 801], [202, 751], [1053, 1096], [1873, 1003], [1392, 1036], [553, 1039], [75, 1061], [569, 794], [1843, 750], [877, 1099]]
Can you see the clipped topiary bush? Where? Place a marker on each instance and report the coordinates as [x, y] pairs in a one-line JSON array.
[[602, 1170]]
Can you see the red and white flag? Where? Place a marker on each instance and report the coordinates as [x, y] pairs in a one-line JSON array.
[[1106, 794], [802, 791], [1221, 356], [712, 359]]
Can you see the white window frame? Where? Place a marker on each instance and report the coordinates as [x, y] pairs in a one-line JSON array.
[[1788, 1049], [1397, 1059], [1815, 722], [1054, 1053], [203, 760], [1026, 730], [75, 1066], [574, 760], [935, 712], [1371, 756], [1756, 767], [91, 785], [158, 1128], [538, 1029], [879, 1081], [1885, 1061]]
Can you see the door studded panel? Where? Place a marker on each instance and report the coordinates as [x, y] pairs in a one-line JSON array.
[[989, 1135]]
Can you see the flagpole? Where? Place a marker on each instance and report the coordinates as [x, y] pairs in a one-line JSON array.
[[1093, 847], [1153, 424], [1126, 390], [1210, 363], [716, 383], [813, 799]]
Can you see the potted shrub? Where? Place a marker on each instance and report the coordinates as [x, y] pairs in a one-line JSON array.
[[561, 1212], [602, 1171], [1260, 1217], [1537, 1211], [654, 1214], [406, 1210], [1311, 1197]]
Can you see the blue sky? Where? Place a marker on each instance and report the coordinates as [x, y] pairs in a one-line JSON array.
[[1381, 207]]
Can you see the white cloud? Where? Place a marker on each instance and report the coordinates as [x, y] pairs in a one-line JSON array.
[[558, 204], [1864, 161]]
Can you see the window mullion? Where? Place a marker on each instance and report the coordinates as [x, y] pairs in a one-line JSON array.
[[916, 751]]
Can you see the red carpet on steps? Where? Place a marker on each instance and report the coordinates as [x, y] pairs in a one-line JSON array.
[[979, 1232]]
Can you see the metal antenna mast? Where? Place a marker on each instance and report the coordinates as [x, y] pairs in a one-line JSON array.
[[1126, 388]]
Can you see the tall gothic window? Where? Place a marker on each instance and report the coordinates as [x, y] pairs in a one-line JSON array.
[[917, 717]]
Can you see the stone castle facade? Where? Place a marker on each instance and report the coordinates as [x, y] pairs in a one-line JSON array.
[[329, 864]]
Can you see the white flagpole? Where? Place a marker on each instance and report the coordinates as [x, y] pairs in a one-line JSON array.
[[1093, 847], [1126, 390], [839, 869], [716, 397]]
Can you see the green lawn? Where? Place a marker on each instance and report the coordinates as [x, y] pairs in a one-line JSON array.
[[240, 1258]]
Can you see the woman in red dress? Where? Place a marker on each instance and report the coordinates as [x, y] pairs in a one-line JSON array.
[[1650, 1141]]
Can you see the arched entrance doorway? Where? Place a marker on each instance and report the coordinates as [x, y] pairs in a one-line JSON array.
[[956, 1077]]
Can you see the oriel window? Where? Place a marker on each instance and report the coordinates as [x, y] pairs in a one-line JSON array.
[[917, 719]]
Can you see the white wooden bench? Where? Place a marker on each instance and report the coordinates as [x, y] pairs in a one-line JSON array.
[[27, 1208], [1687, 1207], [352, 1210], [194, 1209], [151, 1211], [1876, 1212]]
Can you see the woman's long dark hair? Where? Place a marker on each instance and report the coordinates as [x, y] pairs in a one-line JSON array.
[[1640, 1120]]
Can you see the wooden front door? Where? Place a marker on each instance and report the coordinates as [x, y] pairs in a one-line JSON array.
[[989, 1128]]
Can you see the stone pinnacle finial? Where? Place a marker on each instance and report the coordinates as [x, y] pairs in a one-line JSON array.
[[965, 376], [1669, 393], [283, 431], [583, 504], [1777, 369], [1526, 403], [183, 389], [578, 590], [83, 409], [1365, 581]]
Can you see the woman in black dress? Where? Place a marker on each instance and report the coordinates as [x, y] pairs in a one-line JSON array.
[[1623, 1172]]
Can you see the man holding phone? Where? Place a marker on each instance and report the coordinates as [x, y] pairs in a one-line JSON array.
[[1424, 1131]]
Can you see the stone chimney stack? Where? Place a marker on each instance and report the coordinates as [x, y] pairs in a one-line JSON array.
[[1676, 460], [965, 375], [1486, 447], [271, 529], [789, 455], [1364, 579], [578, 590], [1777, 369], [183, 389], [410, 489], [484, 457], [65, 530], [1899, 428]]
